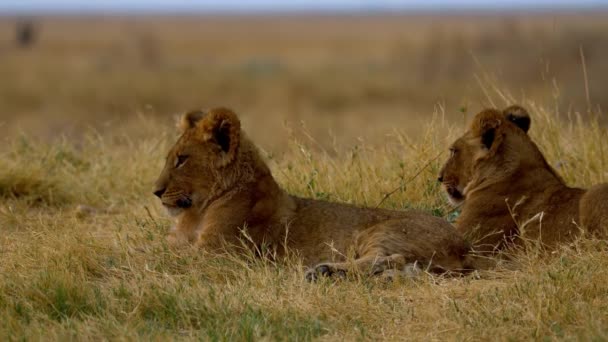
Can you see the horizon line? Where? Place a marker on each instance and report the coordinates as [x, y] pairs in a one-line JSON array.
[[304, 10]]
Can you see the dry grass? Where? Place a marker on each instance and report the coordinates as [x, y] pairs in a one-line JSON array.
[[81, 275], [71, 272]]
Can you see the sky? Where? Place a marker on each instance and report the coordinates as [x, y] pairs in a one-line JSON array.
[[18, 6]]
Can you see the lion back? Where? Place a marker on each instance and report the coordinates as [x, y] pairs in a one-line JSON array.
[[594, 210]]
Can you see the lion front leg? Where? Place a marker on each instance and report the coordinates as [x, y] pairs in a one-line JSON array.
[[218, 241], [177, 239], [185, 231]]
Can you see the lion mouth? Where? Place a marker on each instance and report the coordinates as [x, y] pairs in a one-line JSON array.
[[184, 203], [455, 196], [181, 203], [178, 206]]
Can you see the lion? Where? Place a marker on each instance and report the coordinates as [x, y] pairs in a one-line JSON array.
[[508, 192], [217, 186]]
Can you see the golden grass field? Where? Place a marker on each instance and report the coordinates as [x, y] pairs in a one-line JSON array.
[[345, 108]]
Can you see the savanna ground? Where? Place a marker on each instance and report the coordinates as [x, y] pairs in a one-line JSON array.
[[345, 108]]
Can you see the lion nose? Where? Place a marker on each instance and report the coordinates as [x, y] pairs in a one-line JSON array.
[[159, 193]]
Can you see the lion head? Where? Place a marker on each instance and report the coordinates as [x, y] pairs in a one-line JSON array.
[[494, 147], [204, 162]]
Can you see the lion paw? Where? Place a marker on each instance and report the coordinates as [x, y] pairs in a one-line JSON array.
[[324, 270], [409, 271]]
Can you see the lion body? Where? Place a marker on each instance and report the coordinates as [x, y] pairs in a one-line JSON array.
[[321, 231], [242, 195], [509, 191]]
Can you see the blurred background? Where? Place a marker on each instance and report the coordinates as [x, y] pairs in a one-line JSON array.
[[337, 69]]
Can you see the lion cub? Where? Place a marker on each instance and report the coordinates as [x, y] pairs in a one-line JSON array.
[[507, 189], [216, 184]]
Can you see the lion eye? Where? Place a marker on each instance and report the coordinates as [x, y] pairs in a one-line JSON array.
[[181, 159], [452, 152]]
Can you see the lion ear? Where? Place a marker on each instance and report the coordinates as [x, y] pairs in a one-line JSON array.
[[519, 116], [488, 137], [222, 127], [485, 126], [190, 119]]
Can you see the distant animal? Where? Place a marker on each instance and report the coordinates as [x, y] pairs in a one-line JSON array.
[[25, 33], [217, 186], [507, 190]]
